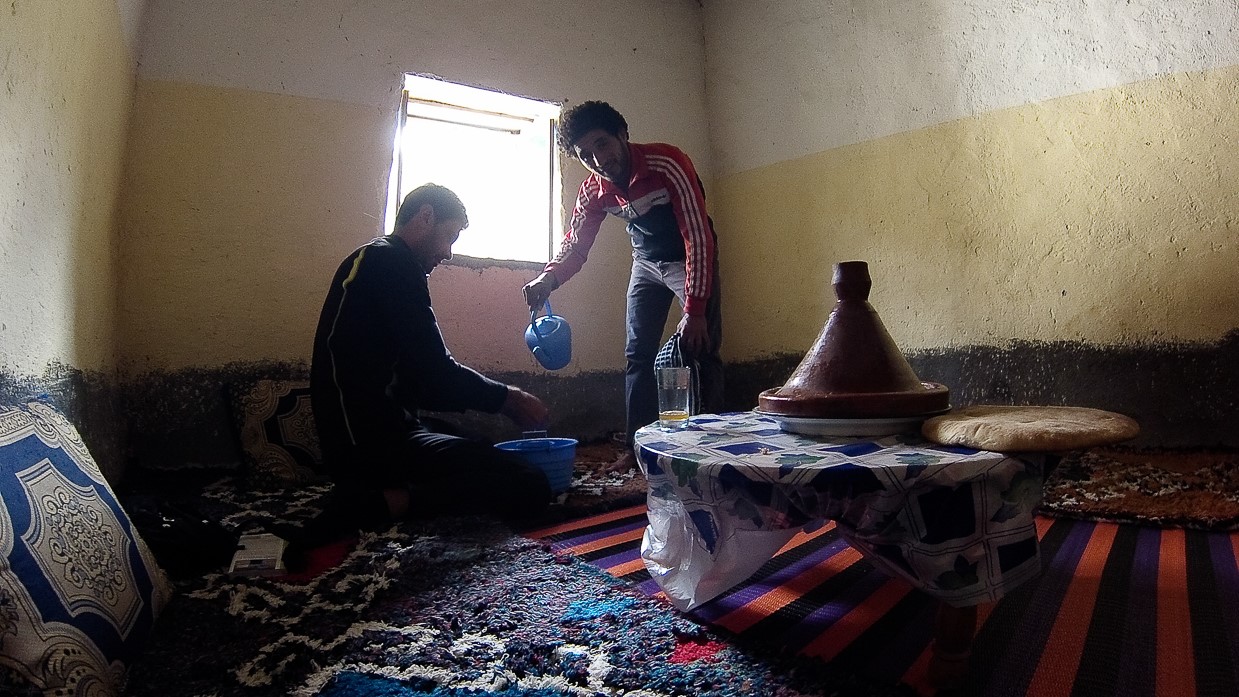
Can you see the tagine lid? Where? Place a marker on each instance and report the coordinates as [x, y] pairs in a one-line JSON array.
[[854, 370]]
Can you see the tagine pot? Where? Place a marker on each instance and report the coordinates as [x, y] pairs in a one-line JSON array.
[[854, 370]]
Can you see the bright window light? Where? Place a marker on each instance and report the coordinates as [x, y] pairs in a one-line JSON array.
[[496, 151]]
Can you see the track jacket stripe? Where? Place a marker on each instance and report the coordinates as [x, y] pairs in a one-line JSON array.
[[697, 276], [659, 166], [352, 274]]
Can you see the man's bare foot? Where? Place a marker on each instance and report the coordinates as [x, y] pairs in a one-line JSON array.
[[622, 464]]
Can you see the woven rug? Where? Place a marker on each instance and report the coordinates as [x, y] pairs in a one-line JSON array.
[[456, 607], [594, 490], [1198, 490], [1117, 610]]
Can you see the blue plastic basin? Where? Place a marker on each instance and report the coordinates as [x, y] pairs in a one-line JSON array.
[[554, 456]]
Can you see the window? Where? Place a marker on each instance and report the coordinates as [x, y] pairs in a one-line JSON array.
[[496, 151]]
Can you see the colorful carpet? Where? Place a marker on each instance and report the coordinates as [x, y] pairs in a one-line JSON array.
[[1118, 609], [1196, 489], [464, 608], [452, 608], [594, 489]]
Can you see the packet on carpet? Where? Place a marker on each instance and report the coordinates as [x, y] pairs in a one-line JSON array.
[[259, 555]]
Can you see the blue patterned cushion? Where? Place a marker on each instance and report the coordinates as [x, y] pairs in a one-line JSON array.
[[79, 590]]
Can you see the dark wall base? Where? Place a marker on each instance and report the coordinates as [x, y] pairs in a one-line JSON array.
[[184, 418], [90, 400], [1182, 395]]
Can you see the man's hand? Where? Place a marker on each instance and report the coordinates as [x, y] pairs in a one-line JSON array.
[[526, 410], [538, 290], [693, 334]]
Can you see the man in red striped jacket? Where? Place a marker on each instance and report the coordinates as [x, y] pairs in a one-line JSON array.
[[655, 189]]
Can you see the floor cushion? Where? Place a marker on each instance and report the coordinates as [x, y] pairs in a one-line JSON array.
[[79, 590], [279, 440], [1040, 429]]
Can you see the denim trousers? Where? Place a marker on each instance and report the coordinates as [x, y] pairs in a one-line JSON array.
[[651, 287]]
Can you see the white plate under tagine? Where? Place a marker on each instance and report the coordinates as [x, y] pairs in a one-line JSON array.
[[809, 426]]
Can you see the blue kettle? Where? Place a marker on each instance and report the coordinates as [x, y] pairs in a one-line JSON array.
[[549, 338]]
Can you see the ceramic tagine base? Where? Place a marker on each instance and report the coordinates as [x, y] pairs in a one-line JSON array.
[[853, 381]]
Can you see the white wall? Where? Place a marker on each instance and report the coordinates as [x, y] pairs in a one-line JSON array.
[[1041, 170], [796, 77], [64, 110], [645, 55]]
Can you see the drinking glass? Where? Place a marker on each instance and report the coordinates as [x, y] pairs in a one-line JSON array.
[[673, 390]]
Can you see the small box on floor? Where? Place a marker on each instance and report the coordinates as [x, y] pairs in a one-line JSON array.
[[259, 554]]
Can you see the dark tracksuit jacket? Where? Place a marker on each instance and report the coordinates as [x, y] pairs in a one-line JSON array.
[[378, 358]]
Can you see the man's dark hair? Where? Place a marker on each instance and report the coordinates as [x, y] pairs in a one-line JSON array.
[[443, 201], [585, 117]]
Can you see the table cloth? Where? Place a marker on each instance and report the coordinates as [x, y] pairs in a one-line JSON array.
[[727, 491]]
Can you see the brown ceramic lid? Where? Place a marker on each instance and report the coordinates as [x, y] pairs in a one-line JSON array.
[[854, 370]]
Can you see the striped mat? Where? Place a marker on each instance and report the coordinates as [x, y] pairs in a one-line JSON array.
[[1118, 609]]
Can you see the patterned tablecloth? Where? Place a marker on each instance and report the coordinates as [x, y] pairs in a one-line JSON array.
[[729, 490]]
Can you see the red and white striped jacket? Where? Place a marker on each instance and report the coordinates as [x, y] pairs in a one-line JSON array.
[[665, 208]]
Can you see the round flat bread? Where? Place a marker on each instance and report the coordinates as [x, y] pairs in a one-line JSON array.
[[1029, 429]]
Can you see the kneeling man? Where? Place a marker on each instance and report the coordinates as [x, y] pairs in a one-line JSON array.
[[379, 357]]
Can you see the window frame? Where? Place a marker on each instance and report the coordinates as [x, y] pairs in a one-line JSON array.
[[554, 194]]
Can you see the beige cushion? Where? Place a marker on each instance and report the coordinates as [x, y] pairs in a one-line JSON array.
[[1029, 428]]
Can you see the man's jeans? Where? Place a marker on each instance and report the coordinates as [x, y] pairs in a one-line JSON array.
[[651, 287]]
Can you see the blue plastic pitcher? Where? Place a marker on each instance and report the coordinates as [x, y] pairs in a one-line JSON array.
[[549, 338]]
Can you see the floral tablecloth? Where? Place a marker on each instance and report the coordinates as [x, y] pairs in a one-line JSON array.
[[728, 491]]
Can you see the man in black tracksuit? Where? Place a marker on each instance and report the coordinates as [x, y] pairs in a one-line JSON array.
[[379, 357]]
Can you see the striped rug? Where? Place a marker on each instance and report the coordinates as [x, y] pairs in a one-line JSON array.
[[1117, 610]]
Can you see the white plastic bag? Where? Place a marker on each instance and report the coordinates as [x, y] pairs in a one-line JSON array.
[[679, 559]]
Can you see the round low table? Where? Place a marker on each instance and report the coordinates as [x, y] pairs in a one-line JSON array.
[[727, 491]]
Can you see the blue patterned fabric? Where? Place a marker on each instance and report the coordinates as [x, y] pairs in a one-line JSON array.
[[79, 591], [728, 491]]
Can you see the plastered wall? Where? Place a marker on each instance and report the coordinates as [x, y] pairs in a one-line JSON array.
[[1106, 217], [67, 79], [1047, 194], [262, 147], [1039, 186], [67, 71], [1011, 170]]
